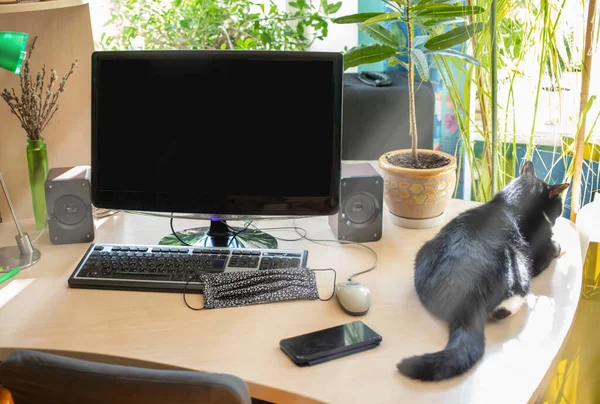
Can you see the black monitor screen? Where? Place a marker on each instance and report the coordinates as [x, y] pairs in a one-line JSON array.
[[217, 132]]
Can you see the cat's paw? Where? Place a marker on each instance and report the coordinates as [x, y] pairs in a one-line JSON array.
[[556, 249]]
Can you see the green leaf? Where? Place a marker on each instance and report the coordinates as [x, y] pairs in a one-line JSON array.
[[262, 7], [393, 61], [453, 37], [333, 8], [354, 18], [367, 54], [434, 22], [424, 2], [383, 17], [419, 40], [447, 11], [399, 36], [452, 53], [420, 62], [381, 35], [400, 2]]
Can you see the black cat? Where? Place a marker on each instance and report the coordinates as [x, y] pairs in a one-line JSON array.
[[479, 267]]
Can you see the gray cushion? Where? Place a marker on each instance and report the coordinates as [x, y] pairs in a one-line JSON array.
[[38, 378]]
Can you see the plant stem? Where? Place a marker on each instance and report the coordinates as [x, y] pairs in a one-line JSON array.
[[411, 87], [583, 100], [494, 79]]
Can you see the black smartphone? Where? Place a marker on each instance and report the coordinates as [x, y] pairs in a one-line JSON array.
[[330, 343]]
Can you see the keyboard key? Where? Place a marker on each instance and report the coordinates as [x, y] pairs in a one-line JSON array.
[[197, 250], [255, 252], [164, 249], [143, 249], [183, 250], [99, 248], [116, 248], [142, 276], [225, 252], [246, 252], [236, 252], [174, 249], [124, 248], [156, 249], [215, 265]]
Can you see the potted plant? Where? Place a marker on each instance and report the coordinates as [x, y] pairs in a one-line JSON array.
[[35, 106], [418, 183]]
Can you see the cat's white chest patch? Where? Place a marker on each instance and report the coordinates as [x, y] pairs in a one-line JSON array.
[[512, 304]]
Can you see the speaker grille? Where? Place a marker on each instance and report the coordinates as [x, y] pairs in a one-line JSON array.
[[360, 209], [69, 210]]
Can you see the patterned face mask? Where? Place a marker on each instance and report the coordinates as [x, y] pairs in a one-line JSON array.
[[235, 289]]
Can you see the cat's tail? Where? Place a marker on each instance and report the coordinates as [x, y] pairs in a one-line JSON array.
[[466, 345]]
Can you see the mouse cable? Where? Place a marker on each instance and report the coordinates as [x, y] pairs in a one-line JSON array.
[[176, 235], [334, 281], [317, 241], [347, 242], [302, 237]]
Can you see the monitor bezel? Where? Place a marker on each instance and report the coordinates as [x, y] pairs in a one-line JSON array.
[[229, 206]]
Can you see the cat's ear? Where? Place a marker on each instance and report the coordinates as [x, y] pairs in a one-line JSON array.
[[557, 189], [528, 171]]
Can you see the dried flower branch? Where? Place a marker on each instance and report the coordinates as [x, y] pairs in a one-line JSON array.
[[38, 101]]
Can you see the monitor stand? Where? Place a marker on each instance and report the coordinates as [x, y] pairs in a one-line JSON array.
[[221, 235]]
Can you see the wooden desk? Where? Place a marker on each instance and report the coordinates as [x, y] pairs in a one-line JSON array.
[[39, 311]]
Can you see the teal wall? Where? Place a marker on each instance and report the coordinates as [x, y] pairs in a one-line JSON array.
[[363, 7]]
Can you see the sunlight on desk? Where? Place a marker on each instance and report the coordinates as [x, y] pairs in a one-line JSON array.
[[14, 287]]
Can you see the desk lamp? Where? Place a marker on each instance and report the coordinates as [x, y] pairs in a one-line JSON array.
[[23, 255]]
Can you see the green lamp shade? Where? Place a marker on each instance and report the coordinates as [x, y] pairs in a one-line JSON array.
[[12, 50]]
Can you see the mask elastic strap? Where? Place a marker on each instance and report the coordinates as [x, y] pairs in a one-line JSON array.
[[334, 281], [184, 298]]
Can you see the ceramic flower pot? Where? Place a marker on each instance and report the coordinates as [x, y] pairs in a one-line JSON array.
[[417, 198]]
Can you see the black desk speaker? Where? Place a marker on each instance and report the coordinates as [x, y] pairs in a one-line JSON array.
[[360, 217], [69, 205], [376, 118]]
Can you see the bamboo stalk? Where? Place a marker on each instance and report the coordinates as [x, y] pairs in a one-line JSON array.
[[411, 86], [494, 106], [483, 102], [583, 99]]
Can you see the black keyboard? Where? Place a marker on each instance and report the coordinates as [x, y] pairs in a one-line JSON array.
[[167, 269]]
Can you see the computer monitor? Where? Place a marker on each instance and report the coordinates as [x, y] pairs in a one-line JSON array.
[[218, 135]]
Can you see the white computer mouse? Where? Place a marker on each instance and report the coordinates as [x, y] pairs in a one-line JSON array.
[[354, 297]]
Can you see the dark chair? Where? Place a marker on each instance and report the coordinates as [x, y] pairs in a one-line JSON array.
[[33, 377]]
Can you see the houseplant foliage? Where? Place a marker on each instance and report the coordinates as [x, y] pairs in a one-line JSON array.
[[418, 183], [540, 45], [35, 106], [217, 24]]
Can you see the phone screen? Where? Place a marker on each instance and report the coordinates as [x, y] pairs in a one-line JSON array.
[[330, 341]]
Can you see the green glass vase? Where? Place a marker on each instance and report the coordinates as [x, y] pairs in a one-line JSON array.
[[37, 162]]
